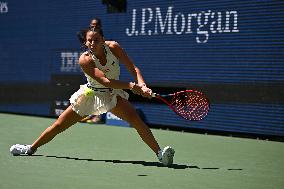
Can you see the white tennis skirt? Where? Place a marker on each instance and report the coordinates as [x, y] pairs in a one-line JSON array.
[[96, 104]]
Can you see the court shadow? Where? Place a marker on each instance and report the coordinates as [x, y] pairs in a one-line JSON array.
[[144, 163]]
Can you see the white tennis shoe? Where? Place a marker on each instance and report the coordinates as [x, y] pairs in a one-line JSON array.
[[166, 156], [21, 149]]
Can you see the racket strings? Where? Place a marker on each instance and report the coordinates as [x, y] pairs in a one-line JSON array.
[[191, 105]]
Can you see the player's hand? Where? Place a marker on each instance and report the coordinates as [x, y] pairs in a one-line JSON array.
[[146, 92], [137, 89], [142, 89]]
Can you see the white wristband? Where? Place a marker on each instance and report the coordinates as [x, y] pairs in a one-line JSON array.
[[132, 84]]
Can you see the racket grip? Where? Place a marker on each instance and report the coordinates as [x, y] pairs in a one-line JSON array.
[[154, 94]]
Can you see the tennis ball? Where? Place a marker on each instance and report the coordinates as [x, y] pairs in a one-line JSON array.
[[88, 92]]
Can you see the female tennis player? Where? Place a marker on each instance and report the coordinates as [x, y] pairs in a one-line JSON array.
[[94, 23], [102, 93]]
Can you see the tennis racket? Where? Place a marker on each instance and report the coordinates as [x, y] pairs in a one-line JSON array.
[[189, 104]]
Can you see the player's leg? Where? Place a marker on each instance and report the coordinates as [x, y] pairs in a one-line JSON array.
[[65, 120], [127, 112]]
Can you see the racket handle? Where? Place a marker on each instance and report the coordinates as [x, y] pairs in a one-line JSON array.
[[154, 94]]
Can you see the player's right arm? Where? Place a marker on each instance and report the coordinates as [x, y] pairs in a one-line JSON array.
[[88, 66]]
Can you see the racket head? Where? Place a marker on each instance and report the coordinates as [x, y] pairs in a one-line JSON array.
[[189, 104]]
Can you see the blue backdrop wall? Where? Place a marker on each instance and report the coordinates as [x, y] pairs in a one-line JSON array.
[[231, 50]]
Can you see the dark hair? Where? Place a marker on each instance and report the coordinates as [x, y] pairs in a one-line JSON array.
[[99, 22], [82, 35]]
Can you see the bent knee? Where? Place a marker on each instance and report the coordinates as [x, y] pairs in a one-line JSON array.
[[126, 111], [133, 118], [58, 127]]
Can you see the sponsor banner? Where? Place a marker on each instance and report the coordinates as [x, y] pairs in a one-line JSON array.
[[156, 21], [111, 119]]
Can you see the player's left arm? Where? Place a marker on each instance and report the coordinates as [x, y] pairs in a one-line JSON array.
[[118, 51]]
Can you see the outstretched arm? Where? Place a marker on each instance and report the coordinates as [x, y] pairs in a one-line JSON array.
[[131, 67], [125, 59]]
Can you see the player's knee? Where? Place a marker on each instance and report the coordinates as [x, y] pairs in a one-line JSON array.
[[58, 127], [137, 123], [132, 117]]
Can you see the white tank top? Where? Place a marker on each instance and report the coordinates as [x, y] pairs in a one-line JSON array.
[[111, 69]]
